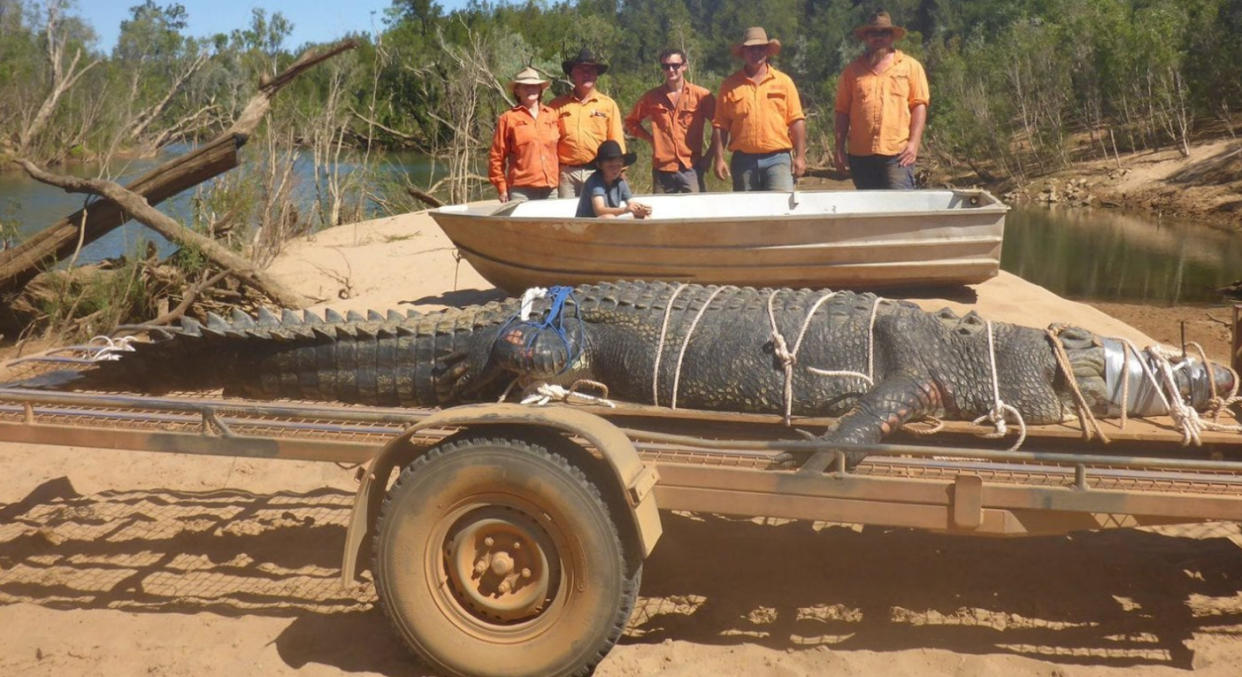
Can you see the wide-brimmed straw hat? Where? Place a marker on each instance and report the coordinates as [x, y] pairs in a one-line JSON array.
[[755, 35], [610, 150], [527, 76], [879, 21], [585, 57]]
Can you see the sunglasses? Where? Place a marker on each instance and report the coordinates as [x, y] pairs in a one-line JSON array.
[[671, 66], [878, 33]]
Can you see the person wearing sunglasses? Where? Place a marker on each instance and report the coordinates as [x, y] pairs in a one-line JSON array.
[[678, 110], [881, 110], [759, 117]]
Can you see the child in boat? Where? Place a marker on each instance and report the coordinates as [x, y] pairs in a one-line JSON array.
[[606, 193]]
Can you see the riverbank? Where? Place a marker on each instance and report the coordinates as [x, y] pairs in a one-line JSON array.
[[1206, 186]]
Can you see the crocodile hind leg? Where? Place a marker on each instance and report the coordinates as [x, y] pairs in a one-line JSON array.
[[886, 407]]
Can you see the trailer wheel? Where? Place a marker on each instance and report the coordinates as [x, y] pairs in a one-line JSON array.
[[495, 556]]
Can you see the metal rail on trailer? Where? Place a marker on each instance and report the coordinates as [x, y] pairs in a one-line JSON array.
[[475, 565]]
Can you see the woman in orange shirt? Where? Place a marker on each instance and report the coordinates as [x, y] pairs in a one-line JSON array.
[[522, 164]]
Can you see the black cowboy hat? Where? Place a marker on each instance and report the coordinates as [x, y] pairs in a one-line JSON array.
[[585, 56], [610, 150]]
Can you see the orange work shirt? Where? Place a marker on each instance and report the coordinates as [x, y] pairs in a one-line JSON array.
[[757, 116], [585, 124], [879, 104], [528, 146], [676, 128]]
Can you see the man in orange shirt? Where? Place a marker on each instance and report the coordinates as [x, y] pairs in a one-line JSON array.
[[587, 118], [759, 117], [678, 110], [525, 140], [881, 110]]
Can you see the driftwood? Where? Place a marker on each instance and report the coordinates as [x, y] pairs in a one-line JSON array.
[[19, 264], [136, 206], [425, 197]]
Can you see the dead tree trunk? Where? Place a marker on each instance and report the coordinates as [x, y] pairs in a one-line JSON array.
[[21, 263], [136, 206], [62, 79]]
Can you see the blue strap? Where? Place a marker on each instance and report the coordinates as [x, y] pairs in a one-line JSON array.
[[554, 319]]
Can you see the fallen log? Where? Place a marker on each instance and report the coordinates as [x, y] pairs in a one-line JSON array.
[[137, 207], [21, 263]]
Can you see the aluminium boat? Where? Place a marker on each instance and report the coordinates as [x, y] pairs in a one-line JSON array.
[[816, 239]]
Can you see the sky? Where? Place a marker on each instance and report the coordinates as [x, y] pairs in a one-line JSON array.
[[313, 20]]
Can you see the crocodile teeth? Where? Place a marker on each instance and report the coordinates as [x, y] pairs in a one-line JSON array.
[[290, 317], [333, 316], [354, 316]]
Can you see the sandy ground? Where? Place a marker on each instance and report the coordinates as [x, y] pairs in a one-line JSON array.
[[132, 563]]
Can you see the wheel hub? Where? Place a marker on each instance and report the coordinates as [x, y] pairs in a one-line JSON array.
[[498, 563]]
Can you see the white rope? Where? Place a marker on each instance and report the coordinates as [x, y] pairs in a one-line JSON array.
[[999, 409], [528, 299], [686, 342], [871, 338], [655, 370], [1184, 416], [789, 358], [1217, 404], [112, 348], [543, 393]]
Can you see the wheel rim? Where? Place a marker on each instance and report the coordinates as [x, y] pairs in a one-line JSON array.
[[501, 566]]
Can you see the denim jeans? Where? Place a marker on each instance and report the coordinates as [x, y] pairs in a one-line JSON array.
[[529, 193], [682, 181], [762, 171], [871, 172]]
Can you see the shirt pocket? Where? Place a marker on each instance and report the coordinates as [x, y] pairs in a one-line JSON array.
[[523, 136], [899, 87], [738, 102], [779, 103], [597, 122]]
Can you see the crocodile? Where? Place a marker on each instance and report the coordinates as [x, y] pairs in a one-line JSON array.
[[874, 363]]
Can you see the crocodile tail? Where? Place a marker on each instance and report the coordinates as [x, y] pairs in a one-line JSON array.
[[389, 359]]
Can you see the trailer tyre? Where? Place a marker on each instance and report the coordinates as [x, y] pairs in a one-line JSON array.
[[496, 556]]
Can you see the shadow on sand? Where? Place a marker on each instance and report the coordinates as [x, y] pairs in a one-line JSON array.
[[1110, 598]]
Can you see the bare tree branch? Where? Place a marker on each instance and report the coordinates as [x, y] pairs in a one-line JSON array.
[[137, 206]]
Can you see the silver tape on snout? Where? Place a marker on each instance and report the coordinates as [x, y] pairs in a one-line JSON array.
[[1144, 399]]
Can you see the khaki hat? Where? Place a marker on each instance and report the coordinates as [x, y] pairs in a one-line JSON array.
[[755, 35], [879, 21], [527, 76]]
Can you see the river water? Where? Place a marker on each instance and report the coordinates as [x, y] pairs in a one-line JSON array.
[[1079, 253]]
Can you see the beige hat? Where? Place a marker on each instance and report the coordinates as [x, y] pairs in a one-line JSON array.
[[755, 35], [879, 21], [527, 76]]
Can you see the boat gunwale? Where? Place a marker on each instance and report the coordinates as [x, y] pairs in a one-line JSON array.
[[994, 206]]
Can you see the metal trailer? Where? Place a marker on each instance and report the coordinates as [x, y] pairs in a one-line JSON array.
[[509, 539]]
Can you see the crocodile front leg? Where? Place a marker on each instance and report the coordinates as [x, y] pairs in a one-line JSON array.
[[891, 403]]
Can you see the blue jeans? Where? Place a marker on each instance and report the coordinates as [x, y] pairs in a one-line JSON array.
[[762, 171], [682, 181], [872, 172]]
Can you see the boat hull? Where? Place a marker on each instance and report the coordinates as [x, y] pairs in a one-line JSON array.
[[820, 239]]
